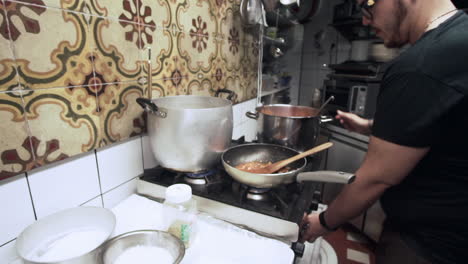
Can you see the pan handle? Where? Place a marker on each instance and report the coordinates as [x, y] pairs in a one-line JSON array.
[[252, 115], [149, 106], [326, 176]]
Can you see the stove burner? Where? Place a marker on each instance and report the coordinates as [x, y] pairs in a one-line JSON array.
[[199, 178], [258, 194], [288, 201]]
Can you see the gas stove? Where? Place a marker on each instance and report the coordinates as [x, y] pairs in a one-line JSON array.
[[287, 202], [274, 213]]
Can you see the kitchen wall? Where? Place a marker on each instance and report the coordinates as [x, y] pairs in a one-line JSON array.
[[322, 45], [70, 70], [103, 178]]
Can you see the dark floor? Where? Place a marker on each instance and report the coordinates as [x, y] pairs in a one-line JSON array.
[[351, 247]]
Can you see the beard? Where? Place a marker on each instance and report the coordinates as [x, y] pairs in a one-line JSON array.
[[394, 27]]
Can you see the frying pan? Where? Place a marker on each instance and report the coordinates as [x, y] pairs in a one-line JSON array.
[[272, 153]]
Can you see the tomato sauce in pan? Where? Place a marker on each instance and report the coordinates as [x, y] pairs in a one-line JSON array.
[[255, 165]]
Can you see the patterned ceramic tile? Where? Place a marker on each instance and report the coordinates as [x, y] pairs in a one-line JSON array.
[[119, 48], [202, 86], [233, 83], [162, 46], [219, 8], [196, 41], [60, 57], [156, 12], [158, 88], [250, 44], [87, 66], [125, 10], [121, 116], [63, 122], [16, 154], [76, 5], [218, 70], [8, 75], [232, 35], [175, 76]]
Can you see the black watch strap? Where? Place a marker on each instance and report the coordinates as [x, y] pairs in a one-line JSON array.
[[324, 224]]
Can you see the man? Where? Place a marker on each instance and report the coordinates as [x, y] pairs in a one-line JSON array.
[[417, 159]]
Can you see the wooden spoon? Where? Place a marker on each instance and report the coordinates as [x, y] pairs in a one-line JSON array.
[[280, 164]]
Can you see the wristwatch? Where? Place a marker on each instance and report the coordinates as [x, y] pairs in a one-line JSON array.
[[324, 224]]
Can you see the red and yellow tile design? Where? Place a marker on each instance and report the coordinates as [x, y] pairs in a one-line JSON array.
[[70, 70]]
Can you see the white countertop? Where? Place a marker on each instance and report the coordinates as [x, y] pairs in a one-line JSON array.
[[216, 241]]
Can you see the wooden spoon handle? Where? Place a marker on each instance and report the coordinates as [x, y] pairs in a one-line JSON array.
[[280, 164]]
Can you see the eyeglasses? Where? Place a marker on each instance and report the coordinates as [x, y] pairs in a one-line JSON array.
[[366, 7]]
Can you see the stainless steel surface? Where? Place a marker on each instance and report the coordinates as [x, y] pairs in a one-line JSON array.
[[326, 176], [192, 134], [292, 126], [265, 153], [61, 222], [112, 249]]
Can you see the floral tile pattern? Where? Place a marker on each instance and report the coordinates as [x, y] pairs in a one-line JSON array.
[[16, 155], [231, 43], [196, 41], [62, 122], [120, 116], [8, 75], [62, 38], [118, 47], [125, 10], [156, 13], [159, 51], [71, 70]]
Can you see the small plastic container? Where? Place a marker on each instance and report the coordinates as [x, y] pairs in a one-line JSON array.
[[182, 214]]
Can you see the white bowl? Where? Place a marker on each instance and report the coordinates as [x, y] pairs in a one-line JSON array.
[[69, 236]]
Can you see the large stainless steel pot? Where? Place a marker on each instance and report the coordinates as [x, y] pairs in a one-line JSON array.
[[188, 133], [288, 125], [272, 153]]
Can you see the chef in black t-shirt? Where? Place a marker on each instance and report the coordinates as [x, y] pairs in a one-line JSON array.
[[417, 159]]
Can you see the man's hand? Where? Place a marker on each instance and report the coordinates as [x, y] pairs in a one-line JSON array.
[[354, 123], [310, 228]]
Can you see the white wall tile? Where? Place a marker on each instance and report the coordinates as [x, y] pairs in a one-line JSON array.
[[64, 185], [250, 130], [236, 114], [237, 132], [119, 163], [8, 252], [148, 158], [15, 209], [115, 196], [97, 202]]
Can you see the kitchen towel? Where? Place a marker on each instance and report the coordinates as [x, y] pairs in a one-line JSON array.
[[216, 242]]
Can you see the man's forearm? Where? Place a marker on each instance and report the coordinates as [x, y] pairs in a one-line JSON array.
[[353, 200]]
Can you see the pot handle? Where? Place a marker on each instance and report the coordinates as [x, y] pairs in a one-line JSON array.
[[252, 115], [149, 106], [326, 176], [325, 119], [230, 93]]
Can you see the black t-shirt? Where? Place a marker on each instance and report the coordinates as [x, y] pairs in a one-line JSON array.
[[424, 103]]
